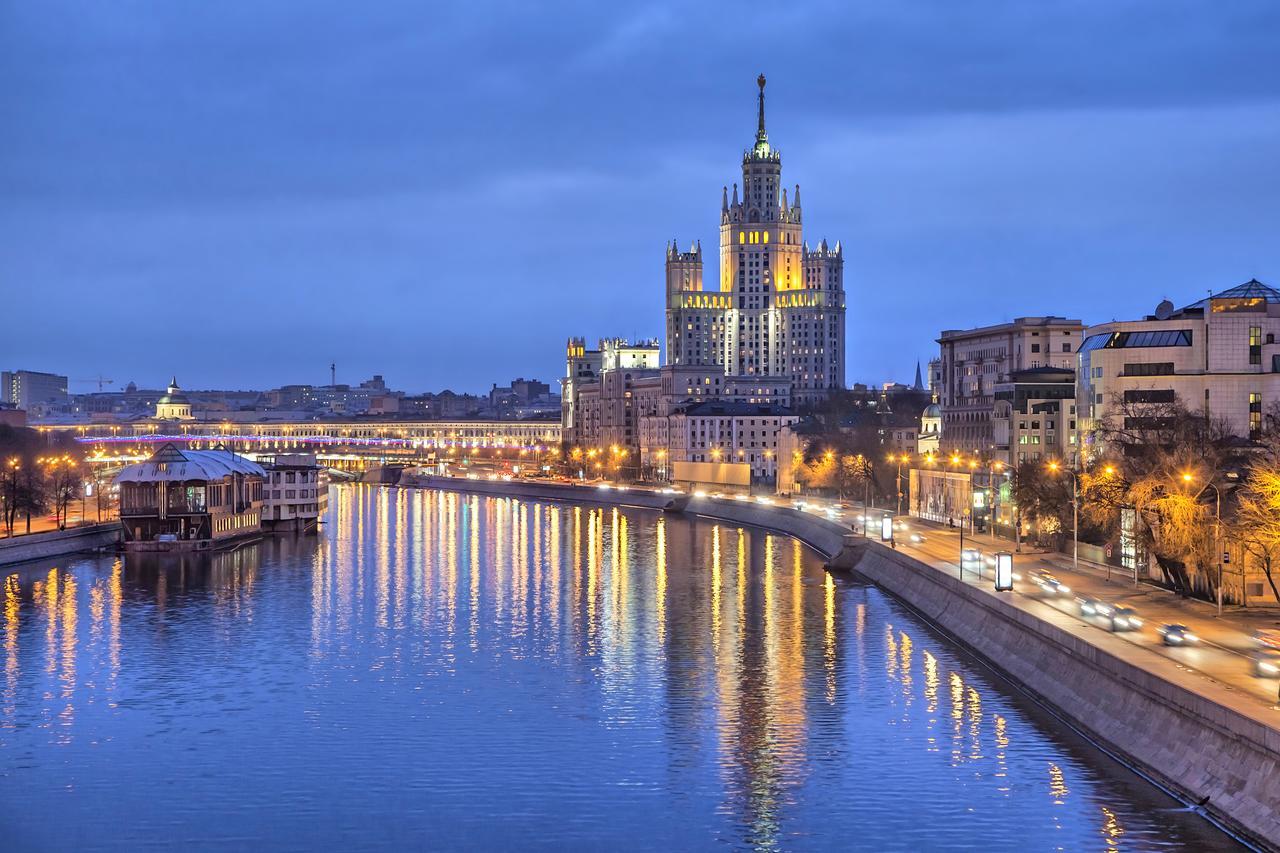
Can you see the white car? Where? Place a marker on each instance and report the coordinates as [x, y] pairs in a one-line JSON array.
[[1050, 585]]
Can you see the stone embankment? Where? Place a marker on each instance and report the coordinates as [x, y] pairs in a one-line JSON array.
[[38, 546], [1208, 746]]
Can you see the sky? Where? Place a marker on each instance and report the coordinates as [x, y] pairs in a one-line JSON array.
[[241, 193]]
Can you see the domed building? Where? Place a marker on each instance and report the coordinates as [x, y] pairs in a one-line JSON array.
[[930, 429], [174, 405]]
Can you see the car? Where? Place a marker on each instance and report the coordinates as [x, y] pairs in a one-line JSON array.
[[1089, 605], [1175, 634], [917, 538], [1125, 619], [1050, 585], [1266, 663], [1267, 638]]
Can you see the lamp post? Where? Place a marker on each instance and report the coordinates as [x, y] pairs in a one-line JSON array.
[[1217, 529], [1075, 514], [899, 458]]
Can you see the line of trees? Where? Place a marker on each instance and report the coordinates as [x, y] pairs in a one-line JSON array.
[[1175, 480], [37, 476]]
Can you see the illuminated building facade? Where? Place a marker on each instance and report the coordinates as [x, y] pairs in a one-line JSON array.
[[974, 361], [779, 308], [1220, 354]]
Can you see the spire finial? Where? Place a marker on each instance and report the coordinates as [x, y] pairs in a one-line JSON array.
[[761, 136]]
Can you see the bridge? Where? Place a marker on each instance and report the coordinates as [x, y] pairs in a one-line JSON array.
[[338, 443]]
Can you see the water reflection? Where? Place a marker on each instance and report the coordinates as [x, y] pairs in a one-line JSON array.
[[587, 673]]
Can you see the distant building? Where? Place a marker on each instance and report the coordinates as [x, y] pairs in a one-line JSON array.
[[189, 500], [295, 493], [1034, 417], [778, 309], [714, 431], [31, 389], [1219, 354], [11, 416], [174, 405], [974, 361], [596, 399]]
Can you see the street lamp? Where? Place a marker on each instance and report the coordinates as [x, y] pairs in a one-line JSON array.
[[1075, 514], [899, 458], [1188, 478]]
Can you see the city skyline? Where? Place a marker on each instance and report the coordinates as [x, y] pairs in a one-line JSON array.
[[976, 169]]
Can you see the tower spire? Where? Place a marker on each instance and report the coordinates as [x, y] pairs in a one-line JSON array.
[[762, 138]]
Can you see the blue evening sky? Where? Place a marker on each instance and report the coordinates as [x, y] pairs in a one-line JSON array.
[[241, 192]]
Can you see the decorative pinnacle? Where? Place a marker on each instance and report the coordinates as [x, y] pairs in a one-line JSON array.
[[761, 136]]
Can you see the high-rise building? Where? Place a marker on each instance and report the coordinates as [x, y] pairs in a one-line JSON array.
[[29, 388], [779, 307]]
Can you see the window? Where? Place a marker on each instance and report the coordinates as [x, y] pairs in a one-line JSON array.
[[1255, 416], [1035, 348], [1066, 347], [1158, 368], [1149, 395], [1255, 345]]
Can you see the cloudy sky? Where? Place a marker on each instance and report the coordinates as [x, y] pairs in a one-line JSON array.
[[242, 192]]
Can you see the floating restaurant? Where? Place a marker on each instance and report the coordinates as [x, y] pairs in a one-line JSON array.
[[188, 500]]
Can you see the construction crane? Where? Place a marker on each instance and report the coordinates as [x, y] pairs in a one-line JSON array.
[[101, 380]]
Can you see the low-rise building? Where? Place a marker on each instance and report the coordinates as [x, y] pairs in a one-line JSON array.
[[1035, 417], [174, 405], [714, 431], [1219, 354], [296, 492], [190, 500]]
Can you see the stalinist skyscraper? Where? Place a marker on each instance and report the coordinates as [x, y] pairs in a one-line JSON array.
[[779, 307]]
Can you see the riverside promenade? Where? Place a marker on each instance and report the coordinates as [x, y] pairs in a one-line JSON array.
[[1193, 720]]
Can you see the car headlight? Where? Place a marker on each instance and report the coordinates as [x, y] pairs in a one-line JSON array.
[[1064, 589], [1268, 667], [1189, 637]]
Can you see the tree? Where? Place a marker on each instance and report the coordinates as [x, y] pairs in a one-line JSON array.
[[1159, 460], [1042, 496], [1256, 524]]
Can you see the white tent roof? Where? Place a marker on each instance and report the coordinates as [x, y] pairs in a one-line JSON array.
[[171, 465]]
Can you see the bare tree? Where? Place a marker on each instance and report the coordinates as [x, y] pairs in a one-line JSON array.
[[1256, 524], [1163, 461]]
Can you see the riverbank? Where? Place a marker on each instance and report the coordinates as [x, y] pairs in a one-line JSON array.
[[1197, 739], [53, 543]]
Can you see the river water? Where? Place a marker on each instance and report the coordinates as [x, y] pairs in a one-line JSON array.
[[442, 671]]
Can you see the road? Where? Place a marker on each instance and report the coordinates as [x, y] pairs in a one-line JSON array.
[[1224, 655]]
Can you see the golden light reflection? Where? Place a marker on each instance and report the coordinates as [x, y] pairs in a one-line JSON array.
[[660, 582], [1057, 785]]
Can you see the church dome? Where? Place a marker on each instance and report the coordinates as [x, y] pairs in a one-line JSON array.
[[933, 410], [173, 394]]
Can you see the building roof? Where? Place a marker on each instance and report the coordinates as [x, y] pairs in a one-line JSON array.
[[171, 465], [174, 394], [1251, 289], [933, 410]]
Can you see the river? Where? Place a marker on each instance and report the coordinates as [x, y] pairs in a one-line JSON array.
[[441, 671]]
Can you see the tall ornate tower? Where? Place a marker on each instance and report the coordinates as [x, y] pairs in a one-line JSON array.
[[779, 309]]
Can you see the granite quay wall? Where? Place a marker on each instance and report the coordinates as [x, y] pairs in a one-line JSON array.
[[38, 546], [1146, 712]]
